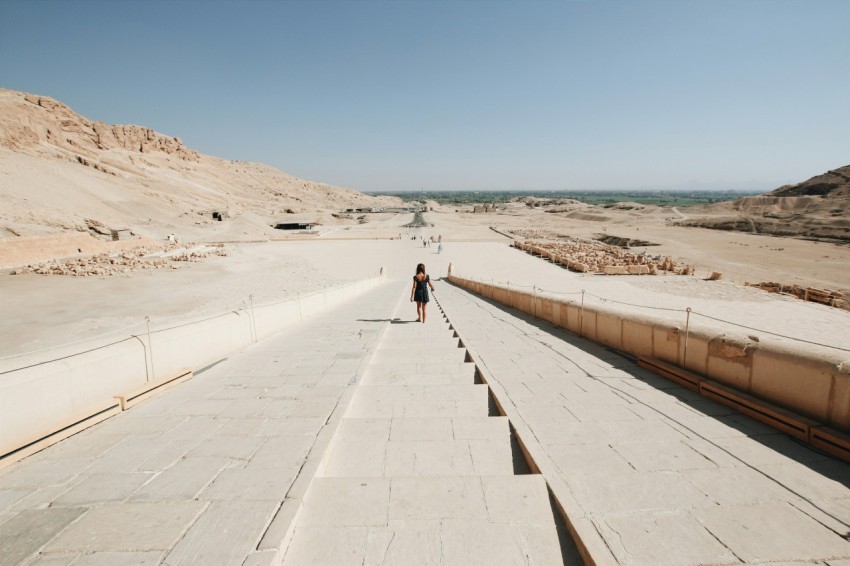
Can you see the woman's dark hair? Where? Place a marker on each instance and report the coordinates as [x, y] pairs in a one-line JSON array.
[[420, 268]]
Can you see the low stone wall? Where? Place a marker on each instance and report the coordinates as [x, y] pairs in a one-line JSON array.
[[20, 251], [814, 385], [43, 393]]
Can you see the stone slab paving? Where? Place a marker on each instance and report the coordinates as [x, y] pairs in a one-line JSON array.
[[660, 474], [211, 471], [251, 461], [419, 471]]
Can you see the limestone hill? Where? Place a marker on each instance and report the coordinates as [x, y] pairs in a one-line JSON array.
[[63, 172], [818, 209]]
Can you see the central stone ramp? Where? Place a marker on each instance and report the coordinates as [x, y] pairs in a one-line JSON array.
[[418, 471]]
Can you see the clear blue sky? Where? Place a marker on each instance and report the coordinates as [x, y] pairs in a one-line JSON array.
[[446, 94]]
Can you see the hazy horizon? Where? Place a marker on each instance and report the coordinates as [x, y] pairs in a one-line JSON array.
[[596, 190]]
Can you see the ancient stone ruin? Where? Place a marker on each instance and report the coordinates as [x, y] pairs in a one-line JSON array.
[[590, 256], [125, 262], [823, 296]]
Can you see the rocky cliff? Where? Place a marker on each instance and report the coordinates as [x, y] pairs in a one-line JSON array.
[[818, 208], [832, 184], [62, 171]]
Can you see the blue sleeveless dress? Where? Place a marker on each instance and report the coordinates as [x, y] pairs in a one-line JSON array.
[[420, 295]]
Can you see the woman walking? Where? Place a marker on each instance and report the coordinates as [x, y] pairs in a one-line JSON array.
[[419, 291]]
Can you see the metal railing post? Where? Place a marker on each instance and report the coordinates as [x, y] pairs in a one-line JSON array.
[[145, 350], [581, 316], [150, 347], [534, 298], [300, 315], [687, 334], [253, 317]]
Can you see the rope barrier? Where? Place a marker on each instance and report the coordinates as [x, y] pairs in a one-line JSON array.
[[559, 292], [68, 356], [274, 304], [228, 313], [771, 333], [159, 330], [71, 343], [607, 300], [667, 309]]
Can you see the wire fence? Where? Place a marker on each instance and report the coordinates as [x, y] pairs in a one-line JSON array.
[[688, 311], [247, 307], [88, 339]]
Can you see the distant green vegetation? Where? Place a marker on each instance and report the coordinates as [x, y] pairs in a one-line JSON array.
[[602, 198]]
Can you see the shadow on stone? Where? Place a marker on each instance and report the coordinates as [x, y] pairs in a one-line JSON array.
[[390, 320], [569, 551], [818, 461]]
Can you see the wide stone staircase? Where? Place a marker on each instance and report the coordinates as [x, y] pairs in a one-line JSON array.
[[421, 469]]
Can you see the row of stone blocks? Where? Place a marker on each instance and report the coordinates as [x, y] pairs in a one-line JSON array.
[[582, 267]]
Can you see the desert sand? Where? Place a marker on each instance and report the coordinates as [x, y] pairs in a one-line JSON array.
[[65, 174]]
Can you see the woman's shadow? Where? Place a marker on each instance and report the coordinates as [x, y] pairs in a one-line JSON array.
[[390, 320]]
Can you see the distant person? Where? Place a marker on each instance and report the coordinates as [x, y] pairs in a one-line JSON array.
[[440, 248], [419, 291]]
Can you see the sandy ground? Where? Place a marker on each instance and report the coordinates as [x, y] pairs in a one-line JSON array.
[[71, 309], [739, 256]]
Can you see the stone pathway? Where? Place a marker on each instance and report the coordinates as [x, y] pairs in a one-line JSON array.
[[658, 473], [210, 472], [420, 471], [358, 437]]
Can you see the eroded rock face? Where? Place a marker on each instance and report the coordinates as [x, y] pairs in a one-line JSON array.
[[143, 140], [65, 168], [833, 183], [818, 208], [57, 124]]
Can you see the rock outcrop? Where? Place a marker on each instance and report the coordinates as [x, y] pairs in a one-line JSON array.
[[48, 120], [63, 171], [817, 209], [834, 183]]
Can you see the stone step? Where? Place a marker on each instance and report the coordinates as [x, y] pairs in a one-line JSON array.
[[413, 378], [418, 473], [435, 324], [422, 367], [421, 392], [442, 355], [474, 457], [428, 446], [397, 343], [389, 408], [426, 520]]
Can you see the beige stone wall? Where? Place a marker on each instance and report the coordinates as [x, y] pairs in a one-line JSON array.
[[20, 251], [808, 382]]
